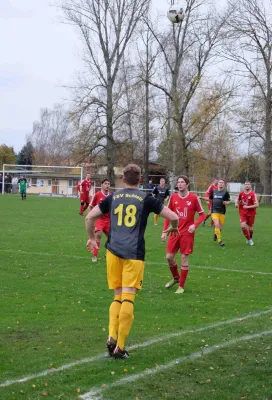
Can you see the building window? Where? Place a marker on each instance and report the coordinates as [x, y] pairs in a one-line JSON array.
[[49, 182], [70, 183], [34, 181]]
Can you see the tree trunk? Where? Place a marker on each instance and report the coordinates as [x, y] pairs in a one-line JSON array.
[[147, 138], [110, 146]]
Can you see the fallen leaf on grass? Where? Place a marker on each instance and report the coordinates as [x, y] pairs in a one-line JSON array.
[[78, 390], [44, 394]]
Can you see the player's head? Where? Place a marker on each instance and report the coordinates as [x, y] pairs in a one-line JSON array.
[[132, 175], [247, 185], [215, 181], [105, 185], [221, 184], [88, 177], [162, 182], [150, 180], [183, 183]]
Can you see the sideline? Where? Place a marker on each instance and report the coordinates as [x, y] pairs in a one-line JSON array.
[[136, 346]]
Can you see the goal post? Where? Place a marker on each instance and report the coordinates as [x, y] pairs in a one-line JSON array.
[[43, 180]]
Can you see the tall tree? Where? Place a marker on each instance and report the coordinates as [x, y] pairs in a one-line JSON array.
[[26, 155], [106, 28], [52, 136], [249, 45], [187, 49]]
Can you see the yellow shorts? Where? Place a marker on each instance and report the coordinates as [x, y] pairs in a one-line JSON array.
[[220, 217], [124, 273]]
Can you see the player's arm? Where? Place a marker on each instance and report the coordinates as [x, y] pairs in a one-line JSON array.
[[172, 217], [226, 199], [167, 195], [255, 205], [237, 201], [200, 219]]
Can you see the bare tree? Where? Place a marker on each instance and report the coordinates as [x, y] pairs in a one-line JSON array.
[[187, 49], [249, 45], [106, 28], [51, 136]]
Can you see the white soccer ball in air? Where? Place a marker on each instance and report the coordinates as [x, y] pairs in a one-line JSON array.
[[175, 14]]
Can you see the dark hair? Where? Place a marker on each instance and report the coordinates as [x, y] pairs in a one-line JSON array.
[[185, 178], [105, 180], [132, 174]]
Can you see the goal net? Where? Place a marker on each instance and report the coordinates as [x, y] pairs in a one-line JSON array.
[[54, 181]]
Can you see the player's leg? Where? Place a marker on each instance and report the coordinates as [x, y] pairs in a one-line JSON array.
[[81, 209], [172, 249], [183, 273], [98, 234], [86, 205], [250, 223], [156, 217], [114, 276], [243, 224], [132, 278], [22, 194], [221, 223], [215, 218]]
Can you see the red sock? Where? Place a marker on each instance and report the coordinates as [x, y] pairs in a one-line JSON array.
[[85, 207], [246, 233], [95, 252], [251, 234], [81, 210], [174, 270], [183, 275], [207, 216]]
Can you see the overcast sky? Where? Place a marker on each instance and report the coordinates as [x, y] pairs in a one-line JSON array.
[[38, 56]]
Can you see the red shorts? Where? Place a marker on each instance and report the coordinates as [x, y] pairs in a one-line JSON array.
[[85, 198], [248, 219], [184, 243], [102, 225]]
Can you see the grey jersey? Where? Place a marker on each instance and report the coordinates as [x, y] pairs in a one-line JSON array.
[[129, 210], [217, 197]]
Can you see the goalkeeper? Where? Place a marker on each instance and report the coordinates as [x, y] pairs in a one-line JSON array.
[[22, 182]]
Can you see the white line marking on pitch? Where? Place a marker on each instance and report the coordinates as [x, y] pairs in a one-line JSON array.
[[95, 393], [136, 346], [216, 269], [146, 262]]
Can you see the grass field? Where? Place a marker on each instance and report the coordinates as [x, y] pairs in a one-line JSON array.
[[213, 342]]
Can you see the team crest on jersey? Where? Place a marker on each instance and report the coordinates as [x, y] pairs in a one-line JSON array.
[[188, 203]]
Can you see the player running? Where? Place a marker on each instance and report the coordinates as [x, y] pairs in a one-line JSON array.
[[102, 224], [185, 205], [129, 209], [220, 199], [211, 188], [22, 182], [247, 202], [84, 189]]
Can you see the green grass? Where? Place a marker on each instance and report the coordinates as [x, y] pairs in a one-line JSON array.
[[54, 311]]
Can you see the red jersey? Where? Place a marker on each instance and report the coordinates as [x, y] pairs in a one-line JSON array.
[[185, 208], [86, 186], [247, 199], [210, 189], [98, 197]]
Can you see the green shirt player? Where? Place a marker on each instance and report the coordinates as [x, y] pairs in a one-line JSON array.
[[129, 209], [22, 182]]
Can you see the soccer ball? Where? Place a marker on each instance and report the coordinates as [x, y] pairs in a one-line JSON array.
[[175, 14]]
